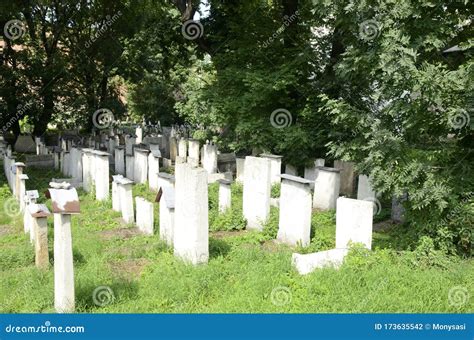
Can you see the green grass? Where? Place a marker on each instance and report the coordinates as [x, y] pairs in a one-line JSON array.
[[243, 271]]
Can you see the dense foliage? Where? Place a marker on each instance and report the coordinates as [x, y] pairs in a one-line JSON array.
[[387, 84]]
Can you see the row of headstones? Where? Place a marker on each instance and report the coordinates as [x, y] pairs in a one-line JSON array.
[[65, 202]]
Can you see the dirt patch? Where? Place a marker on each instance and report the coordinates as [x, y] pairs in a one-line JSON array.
[[122, 233], [227, 233], [384, 225], [5, 230], [129, 269]]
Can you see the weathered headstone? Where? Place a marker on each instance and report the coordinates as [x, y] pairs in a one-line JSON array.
[[256, 193], [225, 195], [145, 215], [120, 160], [306, 263], [126, 199], [311, 171], [326, 188], [364, 189], [353, 222], [129, 166], [173, 148], [209, 158], [291, 170], [19, 168], [193, 152], [102, 185], [140, 168], [115, 193], [275, 167], [295, 211], [38, 215], [398, 210], [153, 169], [183, 148], [166, 198], [25, 144], [191, 232], [347, 177]]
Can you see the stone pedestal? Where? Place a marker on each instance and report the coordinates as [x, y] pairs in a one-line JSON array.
[[326, 188], [19, 168], [225, 195], [191, 232], [256, 194], [295, 211], [353, 222]]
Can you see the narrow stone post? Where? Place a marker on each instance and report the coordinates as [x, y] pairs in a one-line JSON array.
[[19, 167], [256, 195], [30, 198], [65, 202], [139, 134], [129, 142], [295, 211], [22, 192], [209, 159], [126, 199], [275, 167], [225, 195], [326, 188], [39, 217], [87, 159], [193, 152], [191, 233], [102, 185], [129, 166]]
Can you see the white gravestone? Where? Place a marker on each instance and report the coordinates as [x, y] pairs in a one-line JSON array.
[[306, 263], [129, 166], [87, 160], [120, 160], [102, 185], [256, 194], [193, 152], [225, 195], [145, 216], [291, 170], [240, 166], [166, 198], [115, 193], [153, 169], [140, 167], [126, 199], [38, 214], [326, 188], [364, 189], [173, 148], [295, 211], [209, 158], [353, 222], [183, 148], [275, 167], [191, 232]]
